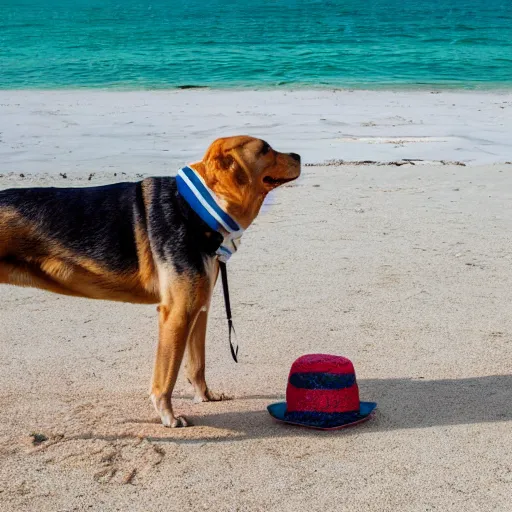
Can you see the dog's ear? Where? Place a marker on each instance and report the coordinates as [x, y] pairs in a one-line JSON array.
[[221, 158], [227, 162], [217, 157], [230, 164]]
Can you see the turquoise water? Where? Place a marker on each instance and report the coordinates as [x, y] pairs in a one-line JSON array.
[[266, 43]]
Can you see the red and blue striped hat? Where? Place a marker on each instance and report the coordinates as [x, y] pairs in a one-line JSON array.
[[322, 393]]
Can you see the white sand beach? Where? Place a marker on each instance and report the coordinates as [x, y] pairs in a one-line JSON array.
[[406, 270], [156, 132]]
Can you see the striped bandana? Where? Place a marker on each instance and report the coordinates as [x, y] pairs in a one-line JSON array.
[[203, 201]]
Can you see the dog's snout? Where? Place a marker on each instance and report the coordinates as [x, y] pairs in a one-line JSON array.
[[295, 156]]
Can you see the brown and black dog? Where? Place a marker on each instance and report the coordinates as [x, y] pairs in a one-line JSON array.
[[142, 243]]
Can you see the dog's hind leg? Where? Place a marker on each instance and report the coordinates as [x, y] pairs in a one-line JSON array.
[[19, 274]]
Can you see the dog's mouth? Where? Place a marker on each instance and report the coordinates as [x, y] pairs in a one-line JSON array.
[[275, 182]]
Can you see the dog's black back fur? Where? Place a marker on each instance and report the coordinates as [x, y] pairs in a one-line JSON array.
[[99, 222]]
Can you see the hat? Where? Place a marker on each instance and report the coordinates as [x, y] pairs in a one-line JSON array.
[[322, 393]]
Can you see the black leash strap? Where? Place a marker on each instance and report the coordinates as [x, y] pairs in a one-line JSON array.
[[224, 276]]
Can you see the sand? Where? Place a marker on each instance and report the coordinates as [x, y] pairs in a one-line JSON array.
[[406, 270]]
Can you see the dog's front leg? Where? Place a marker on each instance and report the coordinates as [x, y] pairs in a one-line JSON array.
[[196, 358], [196, 350], [196, 362], [175, 325]]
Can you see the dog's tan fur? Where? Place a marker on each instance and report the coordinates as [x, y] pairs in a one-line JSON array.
[[238, 171]]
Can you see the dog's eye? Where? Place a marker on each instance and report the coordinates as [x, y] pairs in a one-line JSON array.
[[265, 149]]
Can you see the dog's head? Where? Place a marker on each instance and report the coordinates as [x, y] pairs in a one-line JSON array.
[[242, 170]]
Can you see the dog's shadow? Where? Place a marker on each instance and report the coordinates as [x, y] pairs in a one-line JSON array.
[[402, 404]]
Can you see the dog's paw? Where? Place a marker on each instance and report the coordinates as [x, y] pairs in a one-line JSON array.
[[167, 417], [211, 396], [171, 421]]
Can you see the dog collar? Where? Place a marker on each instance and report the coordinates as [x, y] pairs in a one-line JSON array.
[[205, 203]]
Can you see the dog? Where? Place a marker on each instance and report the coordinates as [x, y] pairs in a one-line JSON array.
[[143, 242]]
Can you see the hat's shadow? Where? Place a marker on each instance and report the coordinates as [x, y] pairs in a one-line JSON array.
[[402, 404], [418, 403]]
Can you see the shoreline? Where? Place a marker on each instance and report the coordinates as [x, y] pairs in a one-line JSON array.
[[456, 87]]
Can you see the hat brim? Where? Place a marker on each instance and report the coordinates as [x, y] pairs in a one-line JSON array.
[[278, 412]]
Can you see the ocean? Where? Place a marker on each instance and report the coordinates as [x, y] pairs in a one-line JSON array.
[[159, 44]]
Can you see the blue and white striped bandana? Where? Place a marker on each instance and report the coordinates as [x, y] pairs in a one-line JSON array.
[[203, 201]]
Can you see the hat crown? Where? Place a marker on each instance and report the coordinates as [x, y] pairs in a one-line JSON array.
[[322, 363], [322, 383]]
